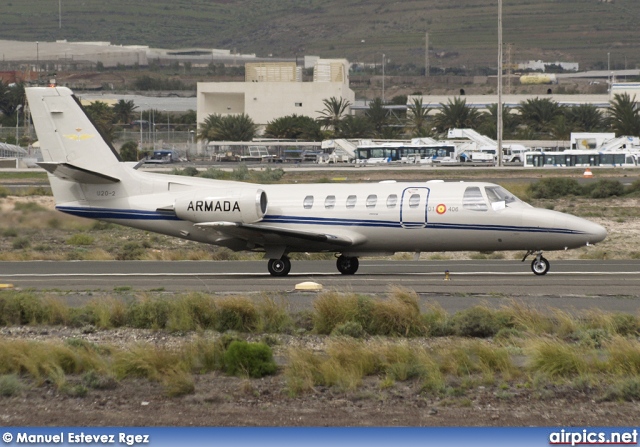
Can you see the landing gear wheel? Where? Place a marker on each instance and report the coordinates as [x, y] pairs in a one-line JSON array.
[[347, 265], [279, 267], [540, 266]]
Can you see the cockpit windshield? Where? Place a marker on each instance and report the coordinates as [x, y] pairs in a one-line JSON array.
[[501, 198]]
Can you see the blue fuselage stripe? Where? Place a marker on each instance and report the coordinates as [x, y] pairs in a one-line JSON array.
[[111, 213]]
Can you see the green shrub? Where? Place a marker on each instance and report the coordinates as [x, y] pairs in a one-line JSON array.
[[191, 312], [604, 188], [624, 390], [477, 321], [398, 315], [10, 385], [28, 207], [236, 314], [189, 171], [349, 329], [9, 232], [148, 314], [130, 251], [553, 188], [4, 192], [20, 243], [249, 359], [80, 239], [625, 324], [178, 383], [93, 380], [22, 308]]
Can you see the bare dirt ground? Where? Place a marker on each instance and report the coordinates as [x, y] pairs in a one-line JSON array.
[[220, 400]]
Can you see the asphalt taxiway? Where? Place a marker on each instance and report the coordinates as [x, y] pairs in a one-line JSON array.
[[612, 286]]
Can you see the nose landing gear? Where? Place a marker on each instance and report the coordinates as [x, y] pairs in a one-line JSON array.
[[540, 265]]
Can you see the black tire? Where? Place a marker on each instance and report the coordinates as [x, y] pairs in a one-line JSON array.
[[279, 267], [540, 267], [347, 265]]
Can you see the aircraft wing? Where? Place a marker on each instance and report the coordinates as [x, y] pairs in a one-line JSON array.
[[261, 234]]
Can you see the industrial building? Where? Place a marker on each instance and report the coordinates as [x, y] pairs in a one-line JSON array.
[[274, 90]]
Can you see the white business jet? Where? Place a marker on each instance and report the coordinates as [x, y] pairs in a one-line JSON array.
[[89, 179]]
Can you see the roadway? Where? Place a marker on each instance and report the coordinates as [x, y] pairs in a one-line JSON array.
[[571, 284]]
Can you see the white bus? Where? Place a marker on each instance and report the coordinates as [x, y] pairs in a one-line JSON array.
[[579, 158]]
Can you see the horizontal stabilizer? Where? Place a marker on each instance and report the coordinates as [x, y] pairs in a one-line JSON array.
[[72, 173]]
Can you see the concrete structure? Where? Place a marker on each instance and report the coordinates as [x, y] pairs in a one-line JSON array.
[[62, 55], [482, 102], [540, 65], [264, 99], [630, 88]]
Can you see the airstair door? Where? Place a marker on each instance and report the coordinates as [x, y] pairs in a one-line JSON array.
[[413, 207]]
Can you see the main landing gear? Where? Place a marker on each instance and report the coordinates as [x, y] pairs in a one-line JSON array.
[[347, 265], [279, 267], [540, 265]]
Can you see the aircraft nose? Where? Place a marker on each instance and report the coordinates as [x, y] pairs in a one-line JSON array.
[[592, 232], [596, 232]]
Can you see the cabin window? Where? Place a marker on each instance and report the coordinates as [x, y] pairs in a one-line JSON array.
[[392, 200], [308, 202], [351, 201], [371, 201], [330, 202], [414, 200], [472, 199]]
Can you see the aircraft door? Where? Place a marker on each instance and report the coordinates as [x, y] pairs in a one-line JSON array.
[[413, 207]]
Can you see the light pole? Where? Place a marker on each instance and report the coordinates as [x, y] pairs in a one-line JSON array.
[[382, 78], [167, 112], [609, 69], [17, 122], [499, 117]]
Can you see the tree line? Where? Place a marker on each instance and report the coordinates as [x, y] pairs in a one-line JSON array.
[[532, 119]]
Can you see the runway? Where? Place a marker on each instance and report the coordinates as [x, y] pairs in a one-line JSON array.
[[606, 285]]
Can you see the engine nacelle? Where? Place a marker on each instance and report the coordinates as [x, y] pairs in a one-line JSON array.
[[240, 206]]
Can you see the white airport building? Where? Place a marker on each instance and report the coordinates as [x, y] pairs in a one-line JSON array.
[[274, 90]]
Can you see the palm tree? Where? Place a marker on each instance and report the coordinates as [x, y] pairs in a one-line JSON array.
[[623, 115], [123, 111], [11, 97], [457, 115], [378, 116], [417, 118], [295, 127], [355, 126], [102, 117], [228, 128], [539, 113], [333, 112], [489, 126], [585, 118], [561, 128], [205, 133]]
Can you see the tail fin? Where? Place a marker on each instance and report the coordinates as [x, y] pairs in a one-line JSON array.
[[67, 135]]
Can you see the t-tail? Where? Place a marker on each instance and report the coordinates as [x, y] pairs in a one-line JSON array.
[[73, 150]]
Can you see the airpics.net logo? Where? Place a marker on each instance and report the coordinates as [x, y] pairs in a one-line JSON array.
[[588, 437]]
